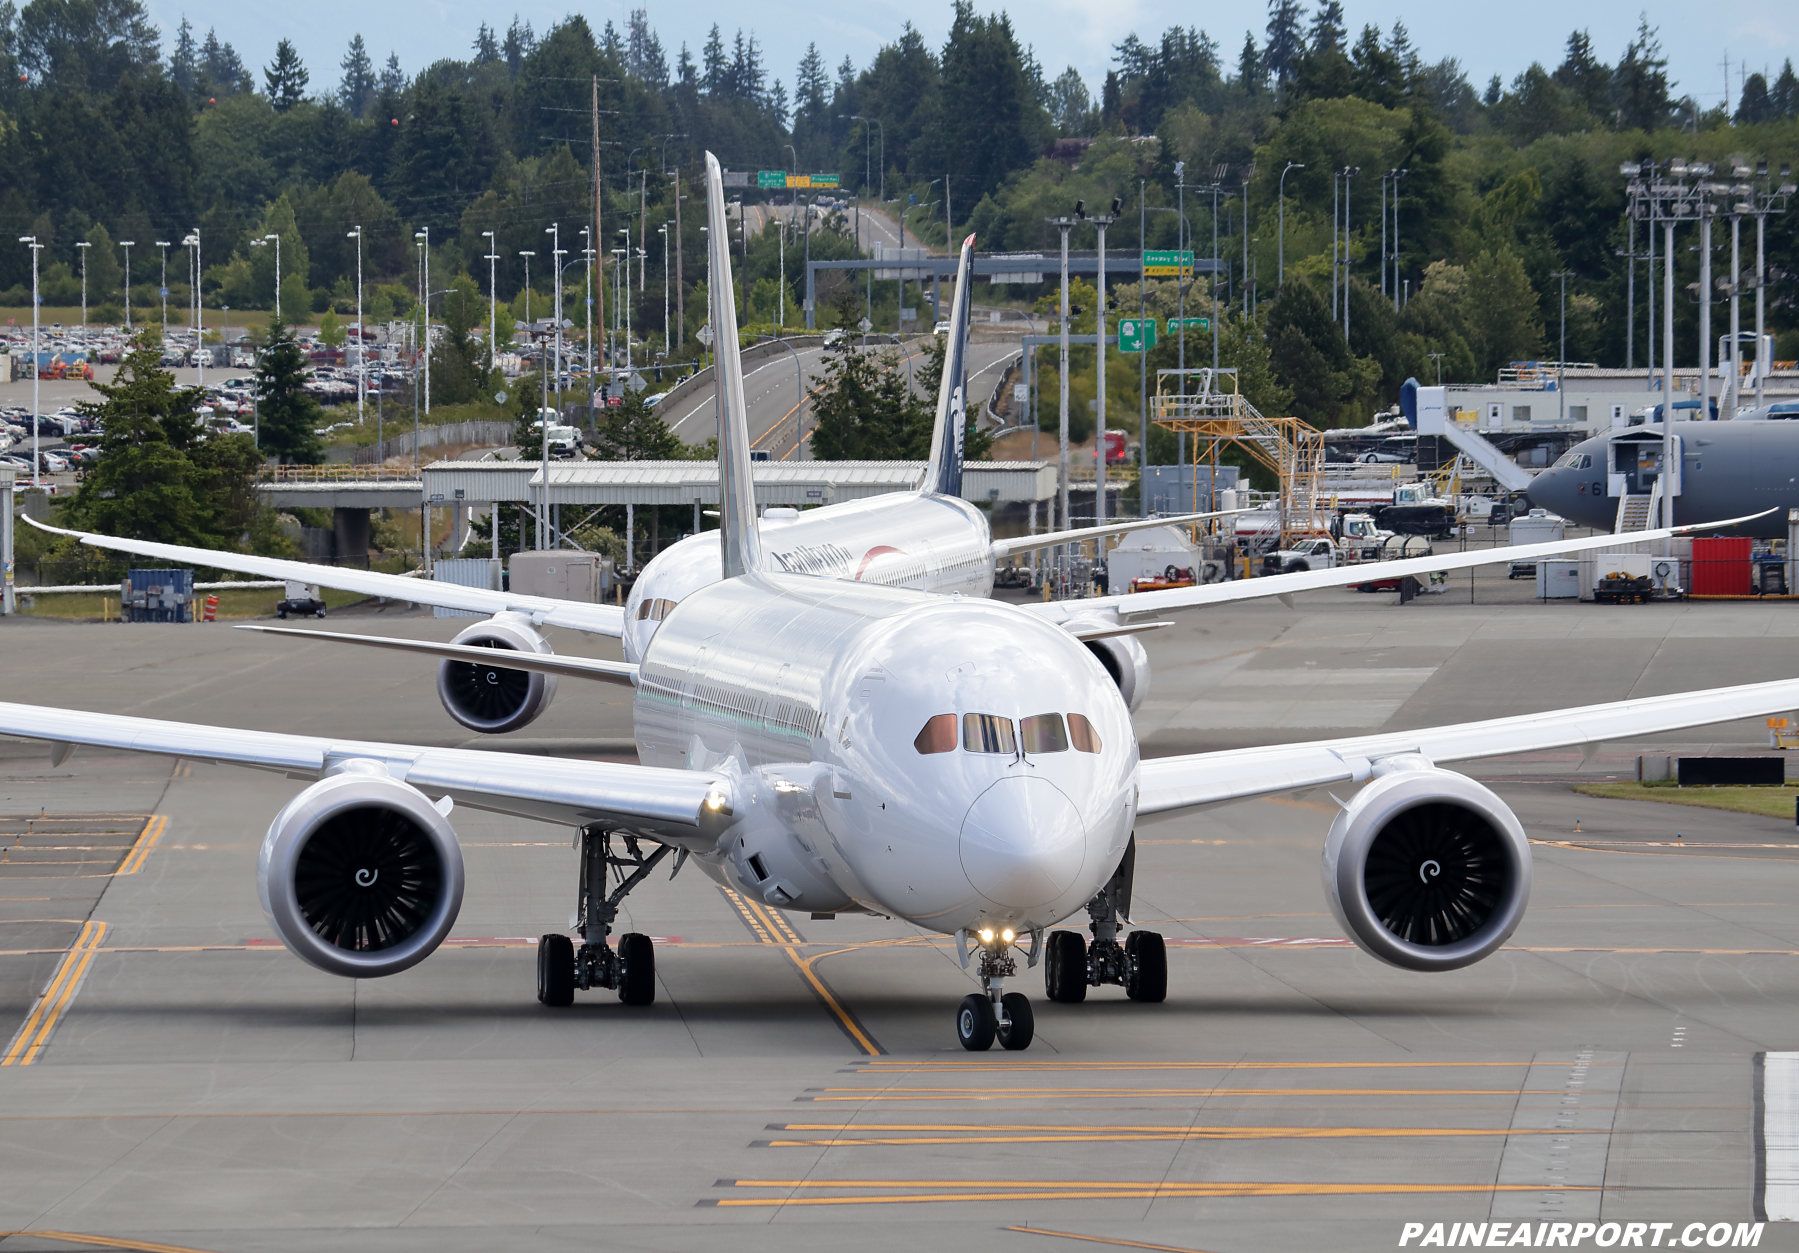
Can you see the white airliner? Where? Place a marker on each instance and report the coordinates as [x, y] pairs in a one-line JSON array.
[[831, 745]]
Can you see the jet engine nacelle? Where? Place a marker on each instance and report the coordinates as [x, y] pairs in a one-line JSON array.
[[1125, 660], [490, 698], [360, 875], [1426, 869]]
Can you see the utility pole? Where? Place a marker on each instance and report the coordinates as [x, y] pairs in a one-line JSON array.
[[425, 312], [84, 246], [1706, 210], [1397, 175], [598, 233], [493, 303], [680, 287]]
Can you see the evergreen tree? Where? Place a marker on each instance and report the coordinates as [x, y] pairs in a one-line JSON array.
[[715, 74], [459, 360], [1784, 98], [358, 87], [157, 479], [1753, 106], [223, 72], [1070, 106], [1286, 39], [634, 431], [1640, 83], [643, 56], [1584, 76], [1328, 31], [184, 62], [287, 415], [997, 125], [486, 46], [1404, 55], [1250, 75], [105, 276], [285, 77], [520, 43], [393, 78], [810, 85]]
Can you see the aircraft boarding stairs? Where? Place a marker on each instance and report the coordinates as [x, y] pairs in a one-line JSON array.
[[1639, 511]]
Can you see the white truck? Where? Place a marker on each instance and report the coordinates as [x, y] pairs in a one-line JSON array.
[[1319, 553]]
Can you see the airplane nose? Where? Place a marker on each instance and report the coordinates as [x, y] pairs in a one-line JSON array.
[[1023, 843]]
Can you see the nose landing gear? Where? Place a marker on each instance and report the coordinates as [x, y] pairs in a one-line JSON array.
[[994, 1013], [1139, 965], [631, 968]]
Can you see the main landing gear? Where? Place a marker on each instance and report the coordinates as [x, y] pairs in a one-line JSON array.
[[1139, 965], [631, 969], [994, 1013]]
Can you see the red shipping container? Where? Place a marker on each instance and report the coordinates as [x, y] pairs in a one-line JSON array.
[[1721, 567]]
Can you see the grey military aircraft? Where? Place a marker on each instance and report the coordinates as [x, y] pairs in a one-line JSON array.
[[1722, 469]]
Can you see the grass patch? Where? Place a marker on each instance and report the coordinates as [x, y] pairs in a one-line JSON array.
[[97, 607], [1769, 802]]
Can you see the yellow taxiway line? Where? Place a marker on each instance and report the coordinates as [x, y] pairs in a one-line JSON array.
[[1026, 1134], [146, 840], [1087, 1191], [35, 1034], [772, 929], [1113, 1240], [102, 1242]]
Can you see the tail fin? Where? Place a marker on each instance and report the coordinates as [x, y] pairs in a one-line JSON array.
[[742, 544], [943, 477]]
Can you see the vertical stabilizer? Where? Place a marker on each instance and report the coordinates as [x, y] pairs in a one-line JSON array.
[[943, 476], [741, 544]]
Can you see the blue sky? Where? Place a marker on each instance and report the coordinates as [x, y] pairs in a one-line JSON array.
[[1488, 39]]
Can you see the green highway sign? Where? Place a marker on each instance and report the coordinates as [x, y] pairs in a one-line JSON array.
[[1192, 324], [771, 180], [1136, 334], [824, 180], [1168, 264]]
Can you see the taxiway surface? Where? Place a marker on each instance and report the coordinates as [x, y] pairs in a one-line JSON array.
[[797, 1082]]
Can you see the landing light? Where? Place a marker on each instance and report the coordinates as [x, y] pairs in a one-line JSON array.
[[1008, 935], [718, 802], [986, 934]]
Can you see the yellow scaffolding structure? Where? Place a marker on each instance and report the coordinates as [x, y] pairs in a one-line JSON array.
[[1215, 413]]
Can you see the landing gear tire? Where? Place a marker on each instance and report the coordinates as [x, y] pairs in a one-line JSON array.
[[975, 1024], [1148, 979], [555, 970], [1065, 968], [1021, 1025], [637, 969]]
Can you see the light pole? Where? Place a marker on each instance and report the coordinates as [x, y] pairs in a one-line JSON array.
[[857, 117], [163, 290], [587, 252], [126, 245], [1561, 357], [1281, 263], [357, 236], [1064, 225], [527, 256], [193, 238], [37, 360], [667, 344], [1218, 174], [425, 310], [1247, 175], [1099, 328], [493, 305], [1397, 175], [554, 231], [84, 246]]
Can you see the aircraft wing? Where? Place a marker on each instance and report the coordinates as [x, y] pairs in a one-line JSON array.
[[669, 804], [1026, 543], [542, 610], [1285, 585], [1239, 774]]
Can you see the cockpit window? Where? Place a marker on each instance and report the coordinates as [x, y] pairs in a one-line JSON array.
[[1043, 733], [988, 733], [654, 609], [1575, 461], [1081, 733], [938, 736]]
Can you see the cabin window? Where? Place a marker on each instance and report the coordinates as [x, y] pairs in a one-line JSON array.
[[938, 736], [654, 609], [988, 733], [1082, 735], [1043, 733]]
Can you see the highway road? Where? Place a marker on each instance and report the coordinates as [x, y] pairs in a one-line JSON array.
[[771, 386]]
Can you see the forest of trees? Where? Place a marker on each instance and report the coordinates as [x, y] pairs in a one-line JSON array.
[[112, 130]]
